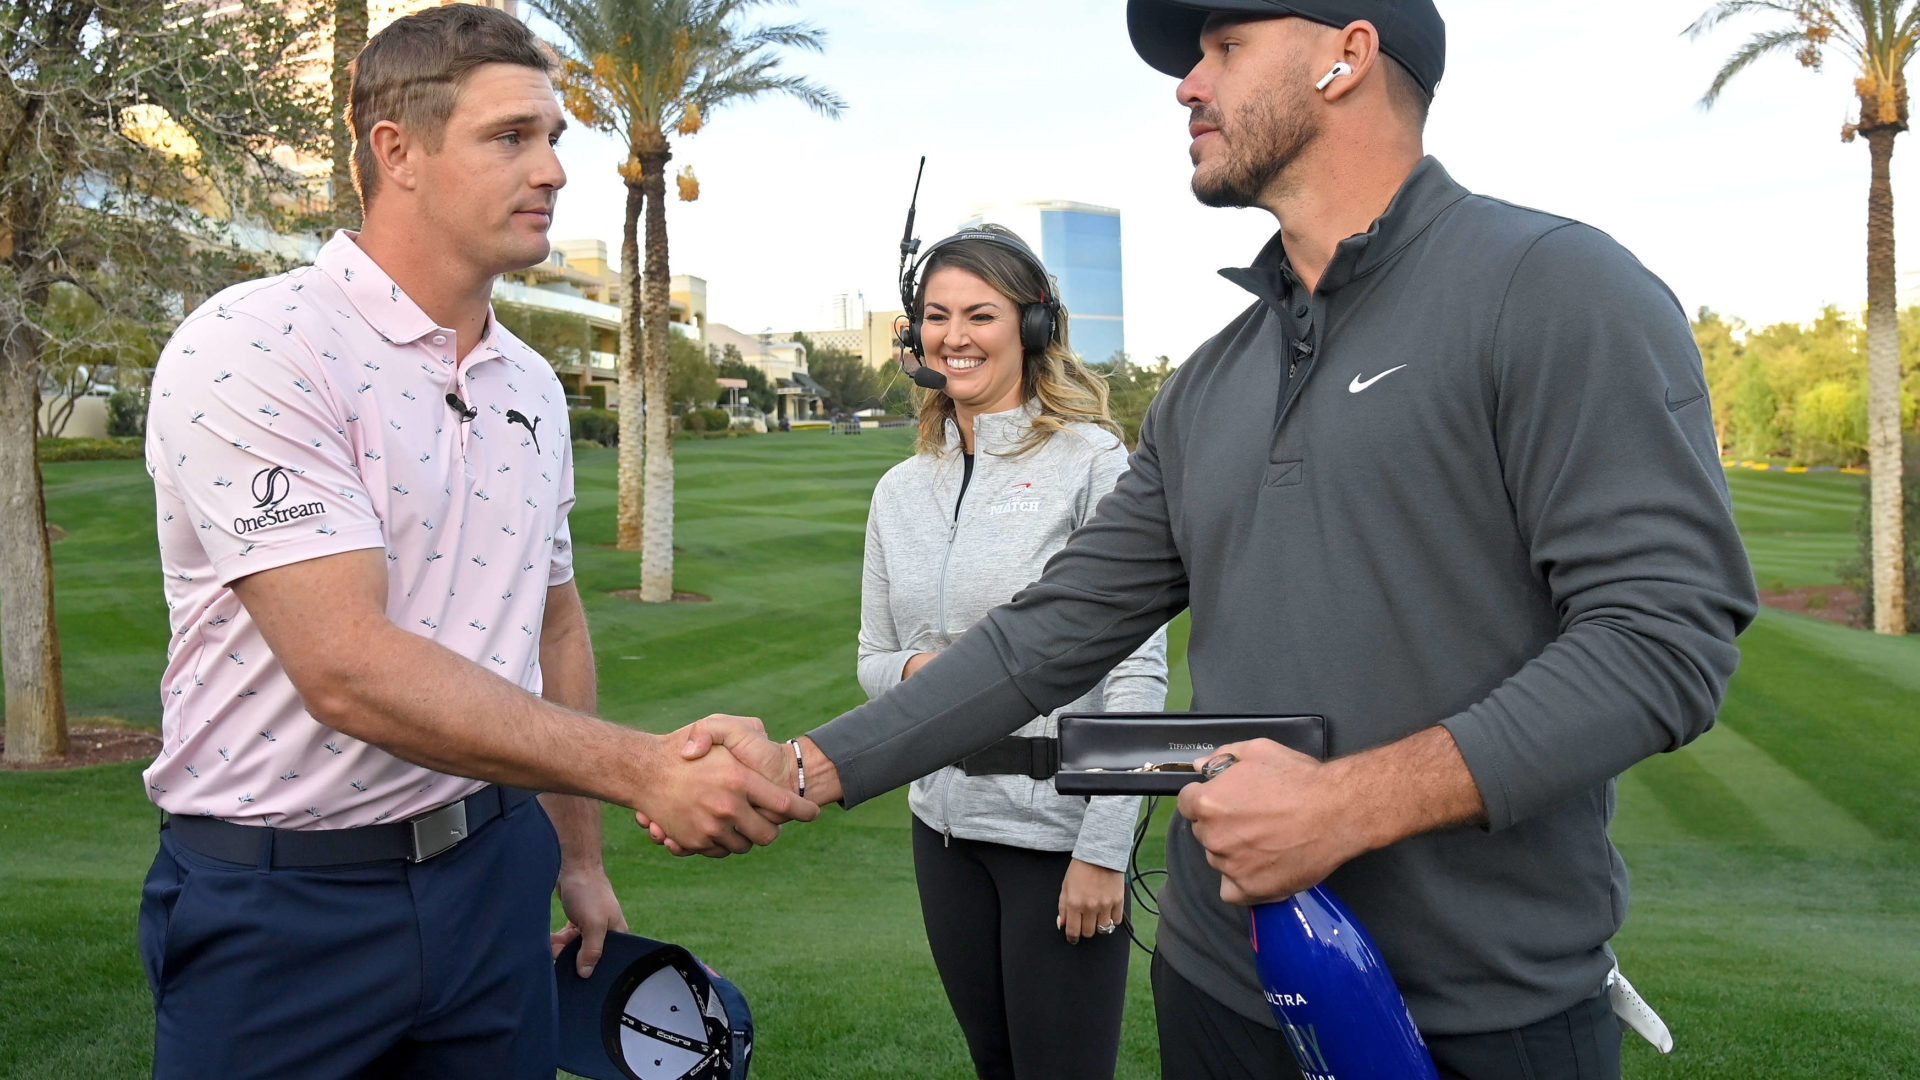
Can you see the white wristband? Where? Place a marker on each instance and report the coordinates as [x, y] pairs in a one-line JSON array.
[[800, 766]]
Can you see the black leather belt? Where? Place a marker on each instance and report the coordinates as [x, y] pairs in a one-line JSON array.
[[416, 839], [1016, 755]]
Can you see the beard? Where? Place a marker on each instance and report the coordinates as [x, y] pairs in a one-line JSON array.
[[1262, 138]]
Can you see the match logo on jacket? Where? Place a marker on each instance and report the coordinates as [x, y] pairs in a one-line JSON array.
[[1018, 498]]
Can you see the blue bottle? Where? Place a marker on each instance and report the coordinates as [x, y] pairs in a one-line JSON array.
[[1337, 1005]]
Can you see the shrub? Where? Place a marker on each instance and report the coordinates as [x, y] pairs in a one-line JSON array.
[[694, 420], [127, 413], [595, 425], [723, 433], [119, 449], [593, 397], [717, 419]]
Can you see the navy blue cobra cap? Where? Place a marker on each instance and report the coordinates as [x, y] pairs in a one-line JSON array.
[[1166, 33], [650, 1011]]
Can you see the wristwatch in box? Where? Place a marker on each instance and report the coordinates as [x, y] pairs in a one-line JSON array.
[[1153, 753]]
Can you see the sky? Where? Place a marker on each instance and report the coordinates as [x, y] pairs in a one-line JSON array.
[[1586, 109]]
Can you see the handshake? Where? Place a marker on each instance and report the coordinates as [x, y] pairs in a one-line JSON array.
[[1277, 822], [722, 787]]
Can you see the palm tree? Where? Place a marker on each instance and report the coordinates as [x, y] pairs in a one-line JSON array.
[[349, 34], [639, 69], [1877, 37]]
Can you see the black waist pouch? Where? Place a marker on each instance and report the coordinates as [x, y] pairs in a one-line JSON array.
[[1152, 753]]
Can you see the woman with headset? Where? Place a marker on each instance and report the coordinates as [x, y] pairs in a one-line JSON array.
[[1022, 889]]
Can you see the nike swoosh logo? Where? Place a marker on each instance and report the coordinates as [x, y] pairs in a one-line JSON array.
[[1676, 406], [1358, 384]]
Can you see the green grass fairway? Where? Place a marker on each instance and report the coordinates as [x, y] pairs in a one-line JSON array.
[[1798, 526], [1775, 920]]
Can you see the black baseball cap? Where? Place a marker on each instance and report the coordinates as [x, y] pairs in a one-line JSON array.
[[1166, 33], [650, 1011]]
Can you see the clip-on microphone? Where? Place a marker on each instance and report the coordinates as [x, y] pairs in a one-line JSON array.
[[922, 375], [465, 412]]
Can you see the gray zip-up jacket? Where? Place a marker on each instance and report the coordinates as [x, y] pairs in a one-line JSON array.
[[1489, 498], [931, 574]]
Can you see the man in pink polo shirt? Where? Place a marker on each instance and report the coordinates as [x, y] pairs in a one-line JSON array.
[[378, 651]]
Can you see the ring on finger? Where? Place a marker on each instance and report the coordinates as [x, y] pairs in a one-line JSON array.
[[1106, 928]]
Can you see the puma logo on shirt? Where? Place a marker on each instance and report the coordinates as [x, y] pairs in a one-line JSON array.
[[515, 416]]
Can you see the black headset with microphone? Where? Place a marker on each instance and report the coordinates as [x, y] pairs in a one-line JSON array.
[[1039, 322]]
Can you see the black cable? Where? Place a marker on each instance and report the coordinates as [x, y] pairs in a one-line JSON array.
[[1137, 877], [1143, 895]]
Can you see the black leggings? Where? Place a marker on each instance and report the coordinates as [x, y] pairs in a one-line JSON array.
[[1032, 1006]]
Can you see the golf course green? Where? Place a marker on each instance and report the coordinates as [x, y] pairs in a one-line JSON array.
[[1775, 918]]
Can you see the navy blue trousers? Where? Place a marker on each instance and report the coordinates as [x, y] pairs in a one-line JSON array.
[[386, 969]]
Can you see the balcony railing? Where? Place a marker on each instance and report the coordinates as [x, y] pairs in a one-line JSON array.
[[519, 293]]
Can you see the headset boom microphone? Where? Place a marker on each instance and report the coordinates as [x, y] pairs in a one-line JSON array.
[[922, 375]]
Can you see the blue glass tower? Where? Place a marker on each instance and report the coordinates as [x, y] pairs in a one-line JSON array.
[[1081, 246]]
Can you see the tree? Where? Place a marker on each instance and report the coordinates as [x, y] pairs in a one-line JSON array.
[[85, 346], [1130, 389], [896, 393], [1720, 355], [1857, 573], [849, 383], [134, 134], [1797, 390], [1828, 422], [1878, 38], [67, 359], [564, 338], [692, 383], [639, 70], [349, 35], [729, 365], [1805, 370]]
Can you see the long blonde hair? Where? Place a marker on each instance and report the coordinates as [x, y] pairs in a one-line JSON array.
[[1066, 390]]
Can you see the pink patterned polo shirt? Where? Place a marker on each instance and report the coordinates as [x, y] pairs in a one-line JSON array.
[[306, 415]]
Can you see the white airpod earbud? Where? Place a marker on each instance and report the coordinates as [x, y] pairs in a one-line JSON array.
[[1339, 69]]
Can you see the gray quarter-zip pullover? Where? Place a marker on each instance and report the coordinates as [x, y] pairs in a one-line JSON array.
[[932, 572], [1490, 499]]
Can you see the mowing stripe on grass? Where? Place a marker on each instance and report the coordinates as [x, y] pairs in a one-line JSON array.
[[1798, 528], [1642, 817], [1700, 802], [1723, 788], [1844, 721], [1893, 659], [1793, 810]]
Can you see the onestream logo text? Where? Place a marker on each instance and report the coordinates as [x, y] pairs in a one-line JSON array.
[[271, 486]]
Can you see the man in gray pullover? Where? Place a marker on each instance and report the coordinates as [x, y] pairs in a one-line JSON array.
[[1450, 481]]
